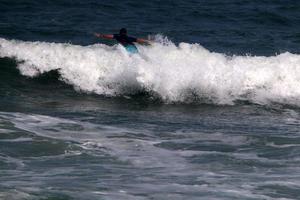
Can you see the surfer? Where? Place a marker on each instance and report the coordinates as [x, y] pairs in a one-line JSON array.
[[124, 39]]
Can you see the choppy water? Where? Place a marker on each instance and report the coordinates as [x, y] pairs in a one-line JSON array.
[[209, 111]]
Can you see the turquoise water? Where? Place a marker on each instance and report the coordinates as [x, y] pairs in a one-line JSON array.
[[210, 110]]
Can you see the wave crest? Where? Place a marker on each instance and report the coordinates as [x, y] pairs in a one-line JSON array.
[[183, 73]]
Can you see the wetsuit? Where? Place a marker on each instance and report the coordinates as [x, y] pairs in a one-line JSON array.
[[127, 42], [124, 39]]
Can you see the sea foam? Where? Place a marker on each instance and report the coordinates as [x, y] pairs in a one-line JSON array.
[[184, 73]]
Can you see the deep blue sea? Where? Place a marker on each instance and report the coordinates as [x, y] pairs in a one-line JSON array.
[[209, 110]]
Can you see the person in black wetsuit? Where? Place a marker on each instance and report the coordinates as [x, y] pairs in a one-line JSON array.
[[123, 38]]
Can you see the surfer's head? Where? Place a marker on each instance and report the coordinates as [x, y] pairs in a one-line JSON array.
[[123, 31]]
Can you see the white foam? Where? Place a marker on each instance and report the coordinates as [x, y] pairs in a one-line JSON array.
[[182, 73]]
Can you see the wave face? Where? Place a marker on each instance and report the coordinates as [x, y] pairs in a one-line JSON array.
[[184, 73]]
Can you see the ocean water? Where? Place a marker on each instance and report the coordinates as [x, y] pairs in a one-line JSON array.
[[210, 110]]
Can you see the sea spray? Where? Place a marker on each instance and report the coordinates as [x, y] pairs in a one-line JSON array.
[[184, 73]]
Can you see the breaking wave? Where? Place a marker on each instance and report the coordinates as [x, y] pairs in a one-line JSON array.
[[184, 73]]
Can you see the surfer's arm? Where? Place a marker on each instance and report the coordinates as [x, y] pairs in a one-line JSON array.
[[142, 41], [106, 36]]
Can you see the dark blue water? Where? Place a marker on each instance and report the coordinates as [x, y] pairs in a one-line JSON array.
[[209, 110], [255, 27]]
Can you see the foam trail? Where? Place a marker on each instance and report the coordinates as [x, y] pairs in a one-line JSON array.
[[183, 73]]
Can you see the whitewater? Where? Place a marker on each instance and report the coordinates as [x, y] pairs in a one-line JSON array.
[[183, 73]]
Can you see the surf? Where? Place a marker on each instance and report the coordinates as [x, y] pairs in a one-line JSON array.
[[182, 73]]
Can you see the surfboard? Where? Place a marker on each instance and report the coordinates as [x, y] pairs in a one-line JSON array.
[[131, 49]]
